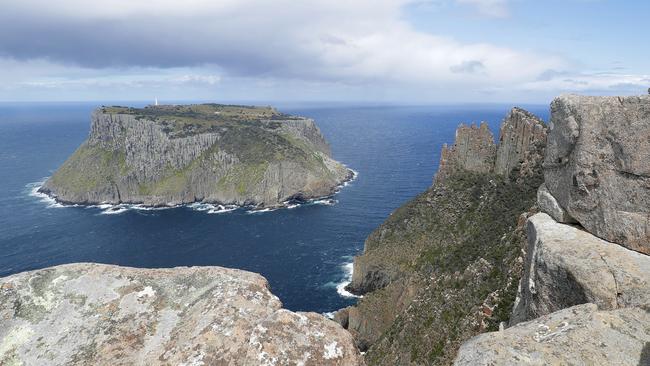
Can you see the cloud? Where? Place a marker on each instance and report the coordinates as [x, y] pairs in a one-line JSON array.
[[491, 8], [358, 42], [468, 67], [609, 83]]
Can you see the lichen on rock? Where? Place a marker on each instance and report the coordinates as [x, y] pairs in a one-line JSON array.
[[94, 314]]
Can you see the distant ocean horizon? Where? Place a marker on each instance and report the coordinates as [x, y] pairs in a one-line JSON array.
[[305, 251]]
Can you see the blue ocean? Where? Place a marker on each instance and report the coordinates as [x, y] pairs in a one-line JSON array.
[[305, 252]]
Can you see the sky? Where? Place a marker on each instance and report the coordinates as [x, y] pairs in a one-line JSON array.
[[369, 51]]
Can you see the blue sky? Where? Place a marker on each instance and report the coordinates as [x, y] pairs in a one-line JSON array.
[[378, 51]]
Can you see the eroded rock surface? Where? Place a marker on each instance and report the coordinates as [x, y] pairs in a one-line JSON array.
[[597, 165], [92, 314], [580, 335], [567, 266]]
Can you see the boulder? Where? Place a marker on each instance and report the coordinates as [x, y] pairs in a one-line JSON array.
[[94, 314], [580, 335], [548, 204], [567, 266], [597, 165]]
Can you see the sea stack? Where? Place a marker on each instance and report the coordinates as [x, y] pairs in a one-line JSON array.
[[175, 154]]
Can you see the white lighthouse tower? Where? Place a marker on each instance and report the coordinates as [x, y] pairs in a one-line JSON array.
[[155, 101]]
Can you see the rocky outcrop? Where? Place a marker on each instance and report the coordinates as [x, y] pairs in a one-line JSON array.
[[522, 138], [519, 131], [445, 266], [171, 155], [473, 150], [597, 165], [567, 266], [580, 335], [92, 314]]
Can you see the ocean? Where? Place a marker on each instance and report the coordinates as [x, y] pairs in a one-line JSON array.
[[305, 252]]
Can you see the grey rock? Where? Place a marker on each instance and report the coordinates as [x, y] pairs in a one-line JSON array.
[[566, 266], [93, 314], [548, 204], [520, 131], [522, 138], [473, 150], [597, 165], [580, 335]]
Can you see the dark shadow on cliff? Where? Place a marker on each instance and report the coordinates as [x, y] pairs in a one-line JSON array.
[[645, 355]]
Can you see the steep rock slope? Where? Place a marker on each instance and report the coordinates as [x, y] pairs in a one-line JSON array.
[[168, 155], [446, 265], [92, 314]]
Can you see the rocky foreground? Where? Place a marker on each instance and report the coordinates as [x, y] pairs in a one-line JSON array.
[[94, 314], [170, 155]]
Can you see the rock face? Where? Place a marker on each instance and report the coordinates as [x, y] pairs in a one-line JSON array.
[[168, 155], [584, 300], [445, 266], [83, 314], [473, 150], [567, 266], [519, 131], [597, 165], [580, 335]]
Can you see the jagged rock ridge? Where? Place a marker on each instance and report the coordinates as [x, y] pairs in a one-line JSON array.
[[474, 149], [93, 314], [168, 155]]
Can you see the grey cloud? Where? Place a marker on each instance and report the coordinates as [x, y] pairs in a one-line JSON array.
[[468, 67]]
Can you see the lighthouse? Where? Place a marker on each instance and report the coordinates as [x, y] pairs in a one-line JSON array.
[[155, 101]]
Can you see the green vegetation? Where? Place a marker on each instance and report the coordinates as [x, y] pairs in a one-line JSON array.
[[460, 243], [90, 168], [185, 120]]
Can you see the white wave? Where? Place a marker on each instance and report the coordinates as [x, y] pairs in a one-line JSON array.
[[348, 268], [329, 314], [325, 201], [115, 210], [258, 211], [42, 197]]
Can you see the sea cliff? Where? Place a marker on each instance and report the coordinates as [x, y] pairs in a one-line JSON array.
[[170, 155]]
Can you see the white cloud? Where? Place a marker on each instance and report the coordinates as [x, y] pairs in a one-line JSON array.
[[491, 8]]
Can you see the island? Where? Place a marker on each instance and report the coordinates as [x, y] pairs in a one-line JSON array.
[[167, 155]]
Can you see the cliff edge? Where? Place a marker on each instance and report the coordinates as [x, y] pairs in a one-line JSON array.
[[170, 155]]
